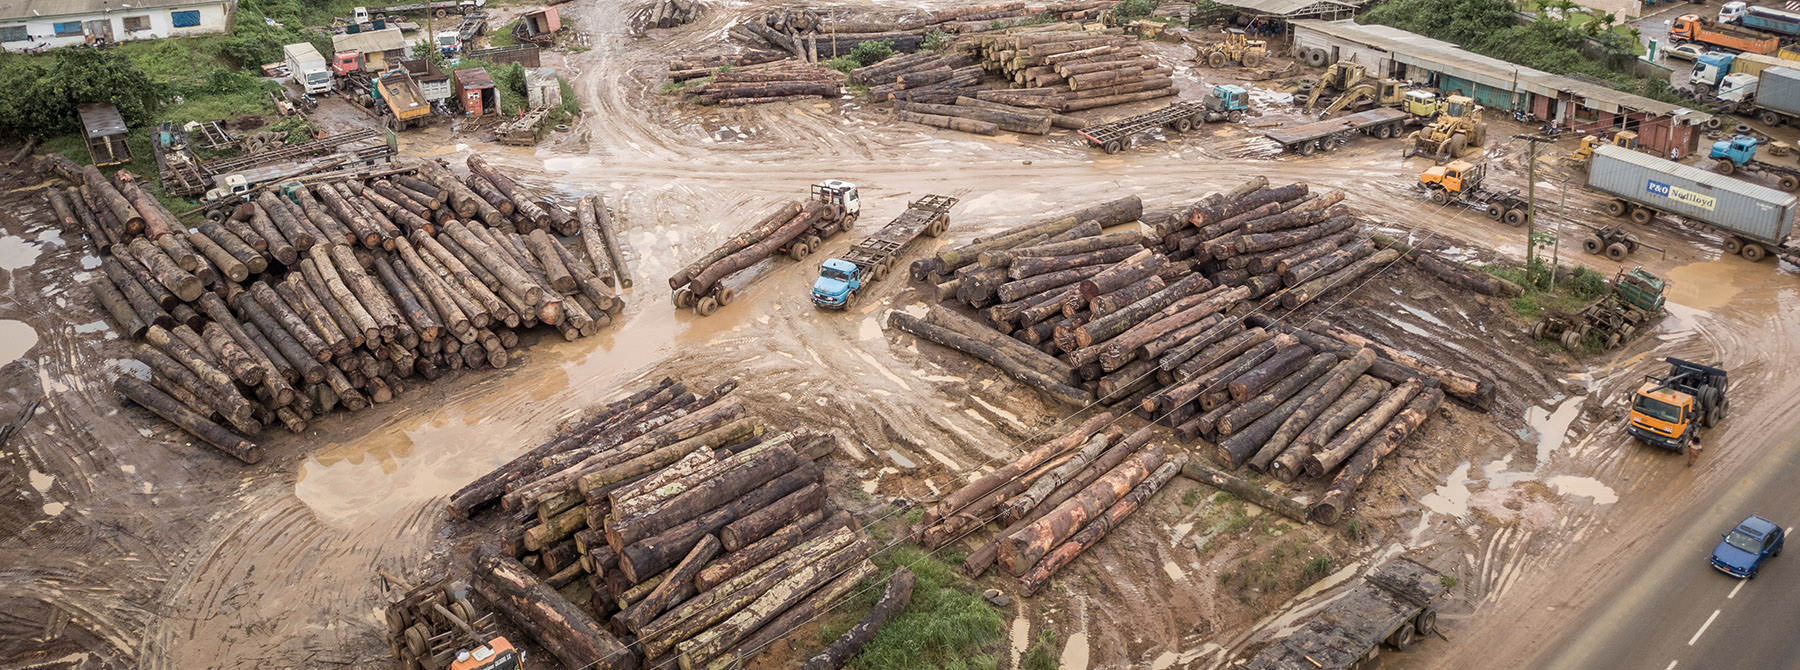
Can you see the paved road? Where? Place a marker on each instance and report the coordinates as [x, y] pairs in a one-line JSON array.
[[1679, 612]]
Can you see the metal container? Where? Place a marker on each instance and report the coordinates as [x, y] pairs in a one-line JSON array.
[[1751, 211], [1779, 89]]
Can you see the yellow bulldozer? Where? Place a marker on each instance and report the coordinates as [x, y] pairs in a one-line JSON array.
[[1584, 153], [1457, 127], [1237, 48]]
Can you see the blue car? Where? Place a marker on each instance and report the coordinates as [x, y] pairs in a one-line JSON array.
[[1744, 549]]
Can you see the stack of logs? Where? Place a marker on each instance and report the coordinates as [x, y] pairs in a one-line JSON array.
[[332, 293], [667, 13], [695, 67], [778, 81], [793, 228], [1054, 502], [1171, 327], [1064, 68], [938, 90], [676, 519]]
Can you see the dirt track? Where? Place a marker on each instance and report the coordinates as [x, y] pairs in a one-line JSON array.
[[127, 547]]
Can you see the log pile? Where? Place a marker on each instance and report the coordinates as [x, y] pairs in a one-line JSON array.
[[334, 294], [678, 519], [1192, 327], [1064, 68], [792, 228], [665, 14], [779, 81]]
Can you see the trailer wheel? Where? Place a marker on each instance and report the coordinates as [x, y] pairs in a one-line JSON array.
[[813, 242], [1401, 639], [417, 640], [1733, 245], [1571, 340], [1724, 166], [879, 272], [1788, 182], [1307, 148], [1592, 245], [441, 13], [1713, 416], [1112, 146], [727, 295], [1753, 252], [1539, 330], [1516, 217], [684, 298], [1440, 196], [1616, 207], [464, 611], [1642, 216], [1617, 251], [396, 620], [1183, 125], [1769, 118], [798, 250], [706, 306], [1426, 623], [938, 227], [1495, 211]]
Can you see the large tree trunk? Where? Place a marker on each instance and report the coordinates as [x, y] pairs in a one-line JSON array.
[[560, 626], [1021, 505], [1007, 363], [983, 557], [186, 419], [1331, 507], [1345, 278], [963, 497], [787, 537], [1091, 534], [1022, 550], [763, 228], [1106, 327], [1477, 393], [677, 586], [1327, 457], [1142, 265], [804, 612], [1257, 442], [800, 581], [893, 599], [1252, 409], [651, 556], [1244, 489], [1357, 399]]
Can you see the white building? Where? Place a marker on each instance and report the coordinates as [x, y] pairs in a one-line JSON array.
[[41, 24]]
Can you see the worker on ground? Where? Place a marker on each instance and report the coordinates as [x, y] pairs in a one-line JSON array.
[[1694, 450]]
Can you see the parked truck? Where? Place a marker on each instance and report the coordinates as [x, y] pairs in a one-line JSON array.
[[1668, 411], [1462, 182], [307, 67], [1393, 605], [833, 207], [1739, 154], [1225, 102], [1777, 96], [1771, 20], [1754, 220], [1695, 28], [842, 279]]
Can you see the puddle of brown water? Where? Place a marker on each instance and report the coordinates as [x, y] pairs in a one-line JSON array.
[[1708, 285]]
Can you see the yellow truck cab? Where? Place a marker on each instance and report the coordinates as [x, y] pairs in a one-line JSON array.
[[1454, 176], [1668, 411]]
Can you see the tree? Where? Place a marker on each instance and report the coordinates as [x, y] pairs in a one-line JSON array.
[[42, 93]]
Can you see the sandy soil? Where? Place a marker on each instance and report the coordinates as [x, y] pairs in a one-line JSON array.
[[129, 547]]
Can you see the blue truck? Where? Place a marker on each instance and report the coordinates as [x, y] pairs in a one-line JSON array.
[[1771, 20], [1739, 154], [842, 279]]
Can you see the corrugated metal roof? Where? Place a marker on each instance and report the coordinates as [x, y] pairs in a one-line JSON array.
[[100, 119], [386, 39], [1289, 7], [1440, 56], [26, 9], [474, 77]]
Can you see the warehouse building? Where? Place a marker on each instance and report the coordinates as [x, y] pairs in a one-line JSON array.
[[32, 25], [1581, 106]]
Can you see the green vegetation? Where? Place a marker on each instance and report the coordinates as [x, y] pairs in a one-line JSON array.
[[946, 625], [1488, 27], [1448, 581], [872, 52], [936, 40], [503, 37], [1357, 530], [1568, 295], [1282, 569], [843, 64], [294, 129], [1318, 567], [1132, 9], [1192, 497], [1042, 655]]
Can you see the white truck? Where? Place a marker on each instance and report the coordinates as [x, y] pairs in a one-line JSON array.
[[308, 67]]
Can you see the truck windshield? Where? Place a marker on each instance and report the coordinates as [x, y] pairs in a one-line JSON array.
[[1657, 408], [1744, 541], [834, 273]]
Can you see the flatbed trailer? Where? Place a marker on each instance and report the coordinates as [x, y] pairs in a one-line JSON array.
[[440, 8], [1305, 139], [1112, 135], [1508, 207], [1787, 178], [1392, 606], [876, 253]]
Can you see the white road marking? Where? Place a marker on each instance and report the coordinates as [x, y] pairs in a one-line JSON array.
[[1671, 665], [1703, 627], [1737, 588]]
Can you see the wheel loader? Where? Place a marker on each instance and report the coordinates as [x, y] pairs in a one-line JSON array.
[[1582, 154], [1456, 128], [1235, 49]]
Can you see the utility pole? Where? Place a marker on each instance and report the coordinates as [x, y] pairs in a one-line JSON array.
[[1531, 196]]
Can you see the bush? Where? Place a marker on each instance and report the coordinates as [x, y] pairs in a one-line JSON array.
[[843, 64], [1588, 283], [1042, 655], [1131, 9], [936, 40], [870, 53], [42, 92]]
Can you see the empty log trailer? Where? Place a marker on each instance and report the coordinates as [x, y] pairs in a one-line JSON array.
[[842, 279], [1392, 606], [1382, 123], [795, 229]]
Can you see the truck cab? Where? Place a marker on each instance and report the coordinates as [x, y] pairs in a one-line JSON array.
[[1668, 411], [1737, 88], [1420, 103], [1456, 176], [838, 284], [497, 654], [1738, 150], [1710, 69], [840, 199], [449, 43], [1227, 98], [228, 186], [1730, 12], [343, 63]]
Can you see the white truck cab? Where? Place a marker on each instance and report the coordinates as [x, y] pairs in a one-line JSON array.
[[1730, 12], [228, 185], [839, 194]]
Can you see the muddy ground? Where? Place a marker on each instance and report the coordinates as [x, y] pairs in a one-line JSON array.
[[127, 546]]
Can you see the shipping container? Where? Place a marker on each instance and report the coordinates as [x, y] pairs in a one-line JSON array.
[[1645, 185], [307, 67], [1769, 19], [1778, 95]]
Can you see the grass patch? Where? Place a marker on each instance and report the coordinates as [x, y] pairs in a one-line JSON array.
[[1567, 296], [504, 36], [1042, 655], [1192, 497], [946, 625], [1448, 581], [1278, 571], [843, 64]]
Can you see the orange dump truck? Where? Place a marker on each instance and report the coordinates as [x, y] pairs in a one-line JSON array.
[[1695, 28]]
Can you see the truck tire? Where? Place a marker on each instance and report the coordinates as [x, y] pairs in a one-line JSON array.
[[706, 306], [1440, 196], [416, 640], [1788, 182], [937, 227], [879, 272], [1317, 58], [1183, 125], [1234, 116], [1516, 217], [798, 250], [684, 298], [1401, 639], [1732, 246], [849, 220], [1426, 623], [1307, 148], [1642, 216], [813, 242], [1593, 245], [1216, 59], [1250, 59], [1753, 252], [1617, 251], [1540, 329], [1713, 416], [1495, 211], [1571, 340], [1612, 341], [1769, 118], [1458, 144], [1112, 146], [1617, 207], [727, 294], [1724, 166]]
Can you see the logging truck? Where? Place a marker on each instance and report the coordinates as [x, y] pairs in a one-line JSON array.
[[841, 280], [795, 230], [433, 626], [1381, 122], [1461, 182], [1392, 606]]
